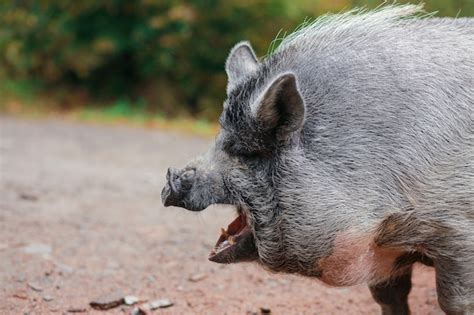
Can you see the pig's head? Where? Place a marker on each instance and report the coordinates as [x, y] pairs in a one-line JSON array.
[[261, 125]]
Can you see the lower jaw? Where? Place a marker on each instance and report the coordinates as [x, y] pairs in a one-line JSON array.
[[236, 243]]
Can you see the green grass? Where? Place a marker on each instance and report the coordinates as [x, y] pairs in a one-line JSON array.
[[138, 118], [23, 99]]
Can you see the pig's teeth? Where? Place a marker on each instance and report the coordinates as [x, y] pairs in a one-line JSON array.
[[231, 240], [224, 233], [224, 244]]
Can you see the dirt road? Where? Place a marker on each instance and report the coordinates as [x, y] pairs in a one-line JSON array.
[[81, 217]]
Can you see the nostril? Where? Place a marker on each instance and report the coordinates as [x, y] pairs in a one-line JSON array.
[[172, 174], [179, 185], [180, 181]]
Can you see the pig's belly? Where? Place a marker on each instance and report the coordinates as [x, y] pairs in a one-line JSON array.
[[356, 260]]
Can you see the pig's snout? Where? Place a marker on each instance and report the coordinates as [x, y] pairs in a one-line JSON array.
[[179, 183]]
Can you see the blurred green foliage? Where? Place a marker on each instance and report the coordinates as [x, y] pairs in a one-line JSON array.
[[164, 56]]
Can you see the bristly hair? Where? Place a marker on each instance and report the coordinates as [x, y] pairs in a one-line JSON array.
[[339, 22]]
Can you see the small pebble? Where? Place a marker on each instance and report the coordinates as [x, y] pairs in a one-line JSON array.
[[47, 298], [131, 299], [38, 248], [197, 277], [35, 287], [107, 302], [153, 305], [29, 197]]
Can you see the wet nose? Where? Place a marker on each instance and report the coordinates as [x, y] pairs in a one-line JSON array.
[[179, 182]]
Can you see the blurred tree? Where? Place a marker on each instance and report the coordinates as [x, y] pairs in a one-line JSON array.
[[170, 52]]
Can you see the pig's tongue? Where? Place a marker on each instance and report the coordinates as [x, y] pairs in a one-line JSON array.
[[235, 244]]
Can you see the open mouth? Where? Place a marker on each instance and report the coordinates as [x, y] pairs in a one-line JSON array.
[[236, 243]]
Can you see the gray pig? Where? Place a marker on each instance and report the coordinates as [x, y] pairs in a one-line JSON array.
[[348, 153]]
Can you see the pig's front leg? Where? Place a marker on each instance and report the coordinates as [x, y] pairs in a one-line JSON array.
[[448, 249], [392, 295], [455, 283]]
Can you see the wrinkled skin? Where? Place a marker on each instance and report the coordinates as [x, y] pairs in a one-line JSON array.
[[350, 156]]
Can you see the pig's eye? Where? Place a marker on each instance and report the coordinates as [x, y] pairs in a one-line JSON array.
[[251, 156], [233, 148], [248, 155]]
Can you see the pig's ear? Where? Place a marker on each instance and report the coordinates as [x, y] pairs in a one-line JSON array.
[[281, 107], [241, 62]]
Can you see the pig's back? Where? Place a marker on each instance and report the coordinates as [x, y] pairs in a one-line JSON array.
[[390, 106]]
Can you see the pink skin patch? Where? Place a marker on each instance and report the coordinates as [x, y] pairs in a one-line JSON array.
[[356, 259]]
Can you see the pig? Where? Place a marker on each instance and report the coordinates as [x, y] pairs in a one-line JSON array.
[[348, 155]]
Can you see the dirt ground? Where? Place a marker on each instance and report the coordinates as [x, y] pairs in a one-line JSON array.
[[81, 217]]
